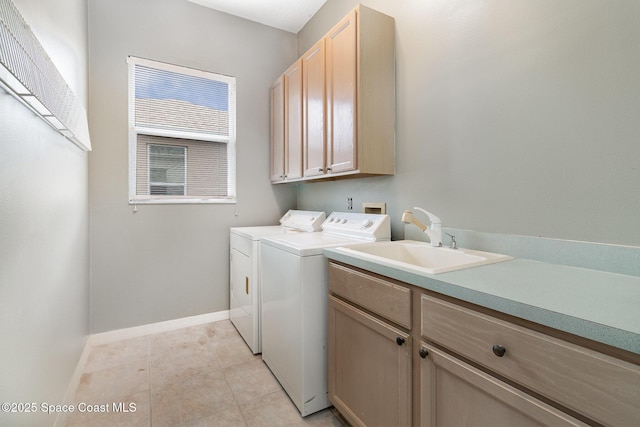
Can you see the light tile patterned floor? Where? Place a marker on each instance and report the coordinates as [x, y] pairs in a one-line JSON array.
[[198, 376]]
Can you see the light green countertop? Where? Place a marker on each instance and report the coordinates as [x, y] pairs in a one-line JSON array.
[[600, 306]]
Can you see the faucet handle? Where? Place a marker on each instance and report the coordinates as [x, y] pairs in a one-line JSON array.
[[454, 245]]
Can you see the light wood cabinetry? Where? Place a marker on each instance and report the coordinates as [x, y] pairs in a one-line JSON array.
[[277, 130], [454, 393], [472, 366], [293, 121], [387, 299], [348, 87], [369, 353], [342, 93], [286, 125], [314, 99], [590, 383]]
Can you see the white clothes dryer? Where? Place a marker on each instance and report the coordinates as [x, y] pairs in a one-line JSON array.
[[244, 283], [295, 301]]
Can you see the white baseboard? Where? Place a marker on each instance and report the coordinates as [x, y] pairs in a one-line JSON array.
[[74, 382], [155, 328], [123, 334]]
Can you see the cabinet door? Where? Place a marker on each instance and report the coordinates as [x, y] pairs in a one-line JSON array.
[[341, 95], [293, 121], [313, 71], [277, 130], [453, 393], [369, 368]]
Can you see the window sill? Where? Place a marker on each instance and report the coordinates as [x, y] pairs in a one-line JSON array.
[[181, 201]]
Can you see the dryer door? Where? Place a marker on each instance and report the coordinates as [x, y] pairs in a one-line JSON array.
[[242, 295]]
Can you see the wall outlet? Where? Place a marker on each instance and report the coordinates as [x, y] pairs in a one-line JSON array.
[[350, 203]]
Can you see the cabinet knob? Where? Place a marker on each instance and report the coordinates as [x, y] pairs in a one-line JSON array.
[[499, 350], [423, 353], [400, 340], [320, 170], [328, 169]]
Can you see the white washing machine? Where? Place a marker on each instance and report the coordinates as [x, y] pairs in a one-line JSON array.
[[294, 303], [244, 283]]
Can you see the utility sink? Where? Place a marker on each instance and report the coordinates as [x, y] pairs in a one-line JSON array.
[[421, 257]]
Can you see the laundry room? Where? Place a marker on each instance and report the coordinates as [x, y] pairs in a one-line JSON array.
[[264, 212]]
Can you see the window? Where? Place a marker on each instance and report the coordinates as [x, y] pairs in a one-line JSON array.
[[182, 134], [167, 167]]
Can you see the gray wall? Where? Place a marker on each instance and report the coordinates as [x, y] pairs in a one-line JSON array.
[[44, 229], [171, 261], [515, 117]]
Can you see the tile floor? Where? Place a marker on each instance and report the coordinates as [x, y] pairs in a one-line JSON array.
[[198, 376]]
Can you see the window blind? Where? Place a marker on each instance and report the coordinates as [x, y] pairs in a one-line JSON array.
[[182, 138]]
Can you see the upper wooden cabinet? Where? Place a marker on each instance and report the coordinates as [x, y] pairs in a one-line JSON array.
[[277, 130], [348, 99], [342, 96], [293, 121], [314, 101], [286, 125]]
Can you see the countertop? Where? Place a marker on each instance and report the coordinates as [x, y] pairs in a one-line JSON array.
[[600, 306]]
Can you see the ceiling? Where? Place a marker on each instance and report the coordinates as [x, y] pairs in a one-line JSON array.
[[288, 15]]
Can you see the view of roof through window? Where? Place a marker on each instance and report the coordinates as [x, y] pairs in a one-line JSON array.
[[161, 84], [183, 102]]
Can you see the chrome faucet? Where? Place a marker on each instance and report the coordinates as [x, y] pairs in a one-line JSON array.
[[434, 231], [454, 244]]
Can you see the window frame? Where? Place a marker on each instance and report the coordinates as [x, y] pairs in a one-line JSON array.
[[134, 131]]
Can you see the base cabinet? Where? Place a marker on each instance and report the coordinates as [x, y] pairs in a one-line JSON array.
[[461, 365], [454, 393], [595, 385], [366, 353]]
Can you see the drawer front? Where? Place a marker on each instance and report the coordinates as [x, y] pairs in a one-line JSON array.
[[598, 386], [387, 299], [453, 392]]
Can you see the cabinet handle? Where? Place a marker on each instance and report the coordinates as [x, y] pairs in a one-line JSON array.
[[246, 284], [400, 340], [423, 353], [499, 350]]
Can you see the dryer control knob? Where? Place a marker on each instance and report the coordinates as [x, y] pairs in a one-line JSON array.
[[366, 224]]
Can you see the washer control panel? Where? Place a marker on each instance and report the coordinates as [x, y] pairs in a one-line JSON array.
[[303, 220], [360, 225]]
